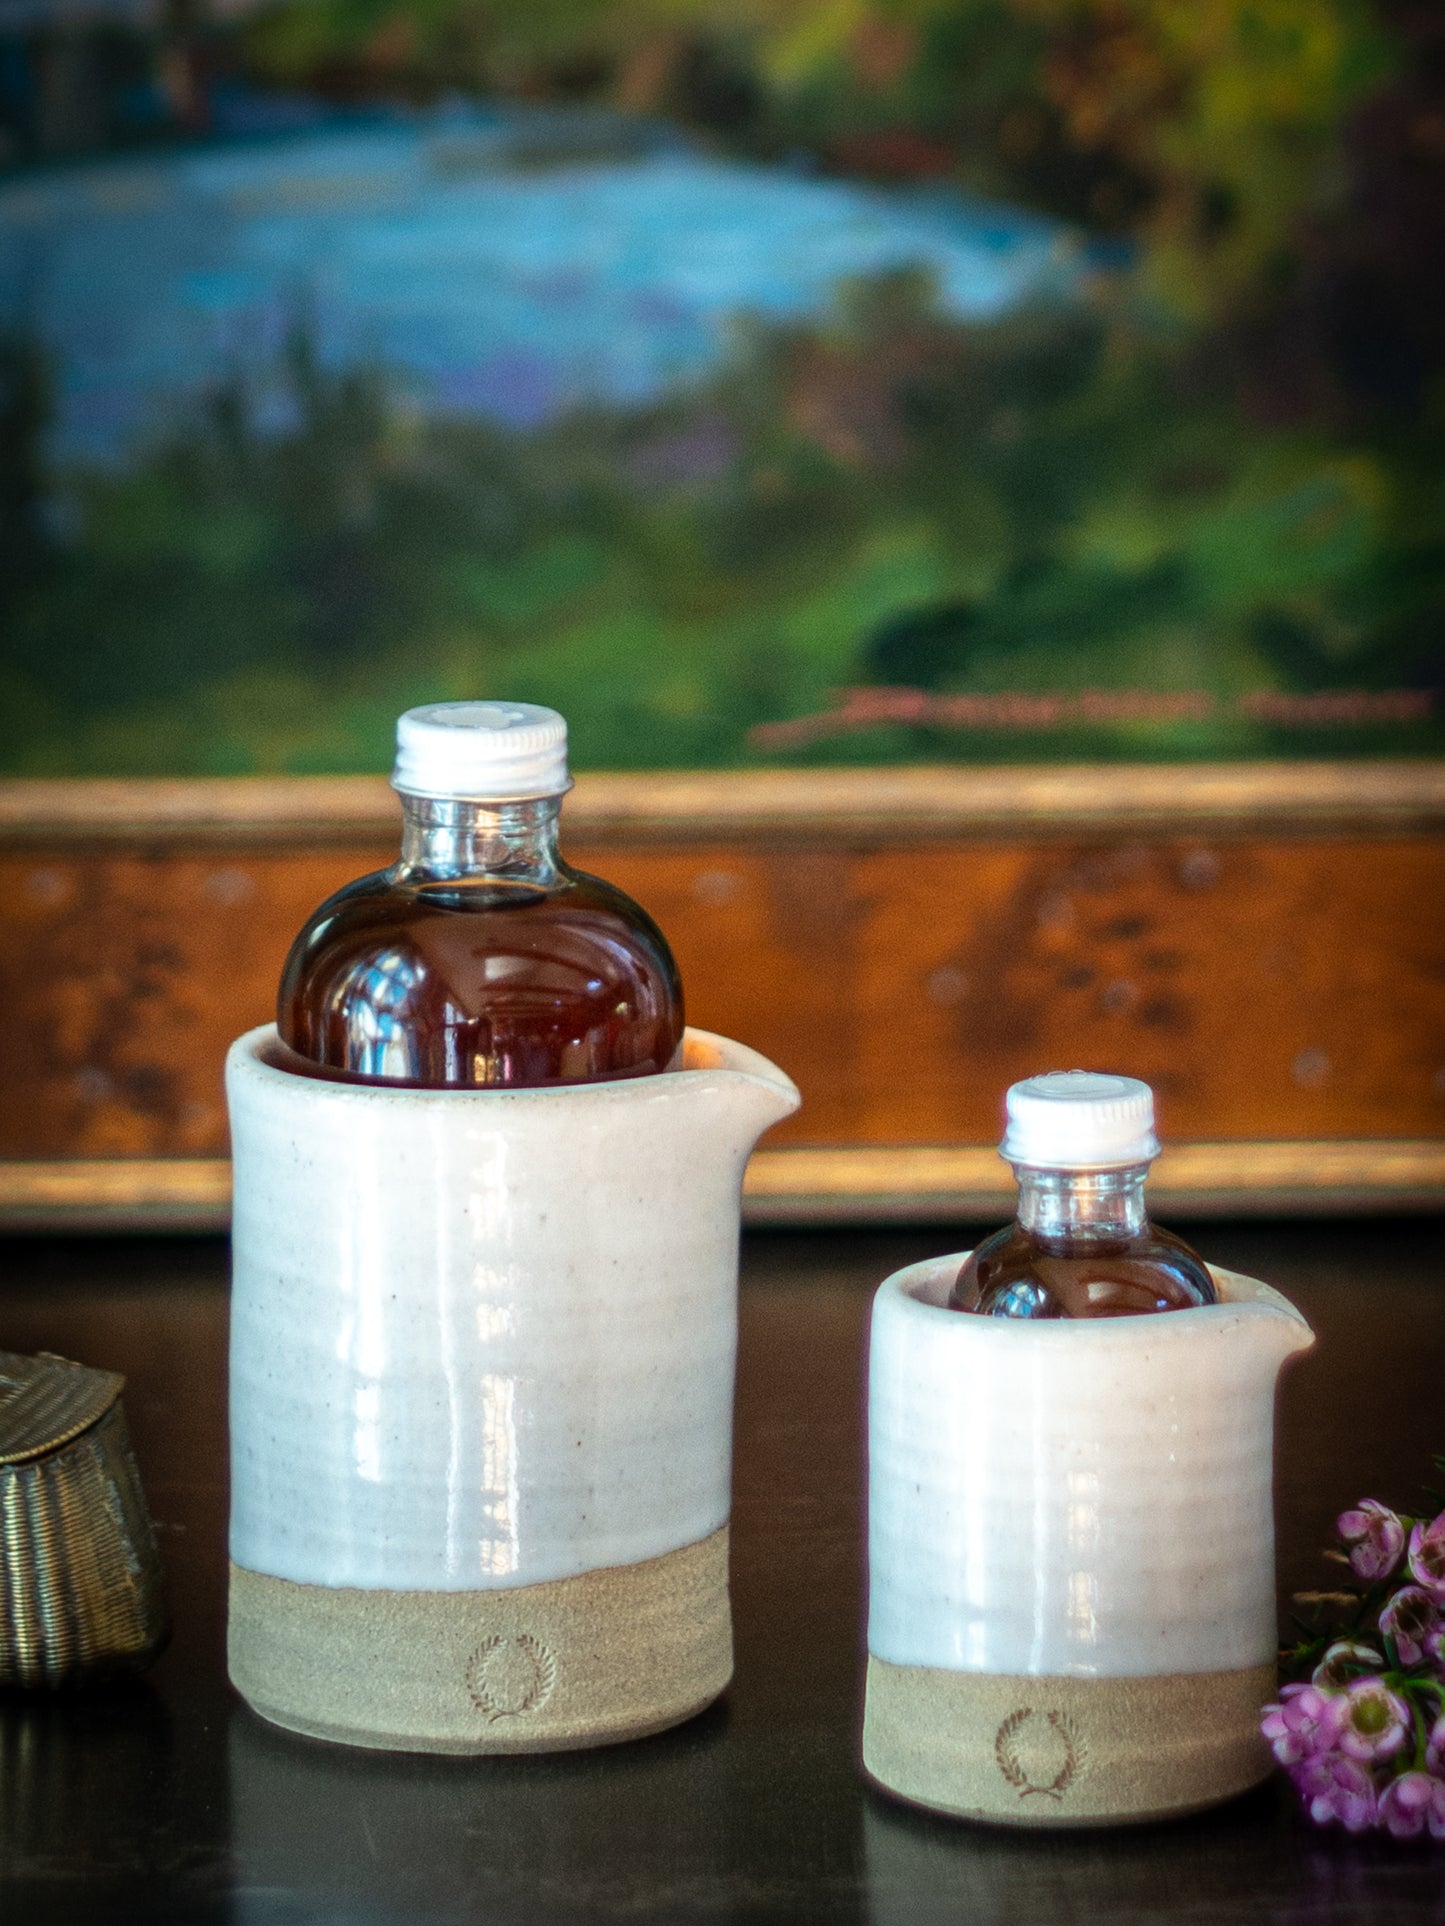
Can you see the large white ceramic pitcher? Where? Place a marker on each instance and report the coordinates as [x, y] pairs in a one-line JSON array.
[[1071, 1553], [482, 1351]]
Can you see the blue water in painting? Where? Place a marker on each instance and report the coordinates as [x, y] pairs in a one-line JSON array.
[[500, 263]]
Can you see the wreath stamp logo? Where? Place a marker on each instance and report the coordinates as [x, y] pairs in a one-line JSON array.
[[1040, 1752], [509, 1676]]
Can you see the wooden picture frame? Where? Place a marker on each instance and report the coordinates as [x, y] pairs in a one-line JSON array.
[[814, 905]]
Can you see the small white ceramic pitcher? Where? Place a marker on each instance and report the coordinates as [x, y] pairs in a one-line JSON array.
[[482, 1351], [1071, 1553]]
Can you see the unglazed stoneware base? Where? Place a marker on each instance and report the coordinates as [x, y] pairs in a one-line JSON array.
[[1037, 1751], [591, 1660]]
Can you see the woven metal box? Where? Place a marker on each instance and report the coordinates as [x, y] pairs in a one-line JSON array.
[[80, 1590]]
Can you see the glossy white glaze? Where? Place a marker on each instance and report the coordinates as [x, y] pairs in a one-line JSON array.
[[1075, 1498], [484, 1338]]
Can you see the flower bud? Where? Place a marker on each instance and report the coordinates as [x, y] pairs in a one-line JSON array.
[[1427, 1557], [1410, 1803], [1412, 1619], [1344, 1662], [1373, 1536]]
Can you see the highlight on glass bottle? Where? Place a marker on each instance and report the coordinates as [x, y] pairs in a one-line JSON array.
[[480, 958], [1082, 1246]]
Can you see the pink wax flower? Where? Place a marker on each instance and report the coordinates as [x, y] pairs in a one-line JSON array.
[[1412, 1619], [1336, 1788], [1305, 1723], [1376, 1721], [1412, 1802], [1345, 1660], [1374, 1537], [1364, 1740], [1427, 1556]]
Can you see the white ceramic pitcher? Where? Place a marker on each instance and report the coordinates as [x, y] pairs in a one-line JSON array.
[[482, 1351], [1071, 1553]]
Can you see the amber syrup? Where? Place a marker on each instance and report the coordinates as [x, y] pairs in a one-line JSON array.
[[1017, 1274], [481, 959], [1082, 1245]]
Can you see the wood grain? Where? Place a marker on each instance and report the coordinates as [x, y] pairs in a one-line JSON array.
[[1282, 984], [1266, 988]]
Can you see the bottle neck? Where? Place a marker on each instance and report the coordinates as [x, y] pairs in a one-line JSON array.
[[1082, 1205], [444, 837]]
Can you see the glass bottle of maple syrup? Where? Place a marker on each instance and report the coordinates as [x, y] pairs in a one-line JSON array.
[[1082, 1245], [480, 958]]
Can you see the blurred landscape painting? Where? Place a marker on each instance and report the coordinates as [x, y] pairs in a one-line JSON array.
[[787, 382]]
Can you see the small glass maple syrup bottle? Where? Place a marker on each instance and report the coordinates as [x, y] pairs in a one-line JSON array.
[[1081, 1144], [480, 958]]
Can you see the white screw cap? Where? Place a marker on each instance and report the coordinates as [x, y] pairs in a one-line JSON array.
[[1079, 1120], [481, 751]]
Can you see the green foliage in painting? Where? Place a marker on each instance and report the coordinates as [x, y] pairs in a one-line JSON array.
[[1217, 470], [894, 499], [1210, 126]]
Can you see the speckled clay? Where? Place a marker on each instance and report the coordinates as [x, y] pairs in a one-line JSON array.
[[1070, 1511], [484, 1341]]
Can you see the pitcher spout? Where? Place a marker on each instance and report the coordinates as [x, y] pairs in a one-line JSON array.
[[1282, 1332], [1288, 1333], [744, 1093]]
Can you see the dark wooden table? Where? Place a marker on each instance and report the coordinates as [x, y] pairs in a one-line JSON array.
[[170, 1802]]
